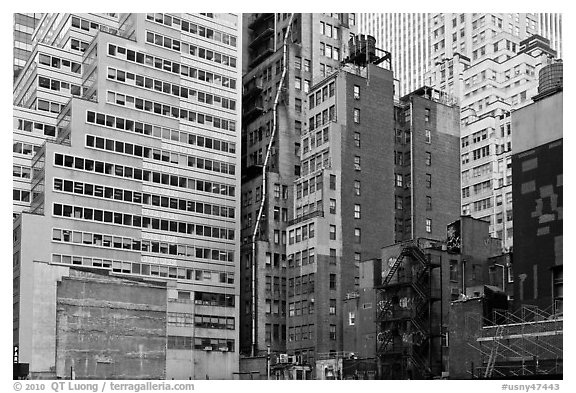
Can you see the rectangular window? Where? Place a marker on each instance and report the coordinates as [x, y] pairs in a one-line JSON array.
[[357, 163], [332, 307], [428, 225], [356, 92], [332, 232], [428, 180], [357, 187], [357, 235], [428, 158], [332, 206], [332, 281], [356, 115], [356, 211], [332, 332], [332, 182], [428, 136]]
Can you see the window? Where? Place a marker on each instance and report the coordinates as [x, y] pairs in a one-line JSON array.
[[332, 182], [332, 232], [297, 83], [428, 135], [356, 92], [332, 281], [357, 163], [356, 115], [428, 158], [356, 211], [357, 235], [332, 332], [357, 187], [399, 202], [298, 105], [332, 256], [428, 180], [428, 225], [426, 114], [399, 179], [351, 318], [332, 206], [428, 203], [357, 139], [332, 307]]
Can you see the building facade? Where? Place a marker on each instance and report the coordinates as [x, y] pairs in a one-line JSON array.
[[537, 190], [283, 55], [407, 37], [24, 25], [134, 121]]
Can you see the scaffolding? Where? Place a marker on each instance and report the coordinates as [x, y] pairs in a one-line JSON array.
[[404, 316], [523, 344]]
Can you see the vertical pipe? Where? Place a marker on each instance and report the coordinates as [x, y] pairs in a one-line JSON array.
[[264, 184]]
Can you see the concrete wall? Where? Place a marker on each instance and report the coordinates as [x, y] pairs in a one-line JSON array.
[[465, 324], [109, 328]]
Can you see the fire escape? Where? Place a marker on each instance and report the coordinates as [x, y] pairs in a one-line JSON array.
[[404, 314]]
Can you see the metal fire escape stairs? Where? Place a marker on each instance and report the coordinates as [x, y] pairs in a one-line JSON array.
[[420, 311]]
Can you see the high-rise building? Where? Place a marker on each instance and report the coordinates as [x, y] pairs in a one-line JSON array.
[[407, 37], [24, 25], [491, 90], [537, 190], [374, 172], [127, 141], [283, 55], [550, 26]]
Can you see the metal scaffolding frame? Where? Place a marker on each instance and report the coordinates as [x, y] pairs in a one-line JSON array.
[[525, 343]]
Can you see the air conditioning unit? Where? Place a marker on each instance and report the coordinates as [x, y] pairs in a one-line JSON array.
[[455, 291], [292, 359], [283, 358], [207, 348]]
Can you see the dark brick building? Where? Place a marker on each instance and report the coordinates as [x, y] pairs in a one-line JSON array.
[[537, 191]]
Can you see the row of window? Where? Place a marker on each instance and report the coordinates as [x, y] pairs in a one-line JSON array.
[[159, 155], [27, 149], [20, 195], [170, 88], [309, 186], [313, 141], [320, 119], [303, 233], [279, 332], [213, 322], [203, 344], [304, 332], [170, 66], [301, 285], [57, 85], [124, 243], [152, 246], [120, 194], [170, 111], [124, 171], [321, 160], [196, 51], [303, 307], [143, 269], [21, 171], [79, 45], [159, 132], [49, 106], [315, 206], [193, 28], [483, 204], [35, 126], [330, 51], [302, 258], [322, 94], [86, 25], [56, 62], [329, 31], [137, 221]]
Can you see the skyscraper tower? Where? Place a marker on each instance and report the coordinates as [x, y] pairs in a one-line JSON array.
[[407, 37], [127, 138], [283, 55]]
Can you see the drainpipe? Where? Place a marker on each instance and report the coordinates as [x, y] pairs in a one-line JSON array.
[[264, 185]]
